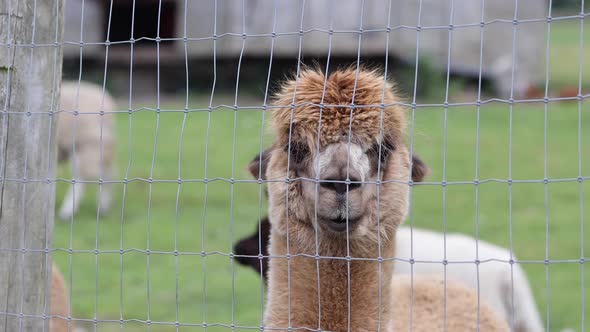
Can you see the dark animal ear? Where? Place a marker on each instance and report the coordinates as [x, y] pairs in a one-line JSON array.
[[247, 249], [419, 169], [257, 167]]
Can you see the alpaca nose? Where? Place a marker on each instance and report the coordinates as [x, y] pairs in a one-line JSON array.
[[339, 183]]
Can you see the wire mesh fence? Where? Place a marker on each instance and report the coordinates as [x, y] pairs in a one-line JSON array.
[[159, 186]]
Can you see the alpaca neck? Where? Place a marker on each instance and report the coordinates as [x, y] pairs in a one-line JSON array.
[[344, 306]]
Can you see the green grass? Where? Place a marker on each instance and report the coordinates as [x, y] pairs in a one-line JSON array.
[[191, 289], [163, 227], [528, 210], [570, 45], [155, 221]]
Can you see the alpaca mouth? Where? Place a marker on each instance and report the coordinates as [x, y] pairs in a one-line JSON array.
[[340, 224]]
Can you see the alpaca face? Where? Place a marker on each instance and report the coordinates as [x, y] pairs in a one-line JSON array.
[[345, 188], [345, 165], [337, 186]]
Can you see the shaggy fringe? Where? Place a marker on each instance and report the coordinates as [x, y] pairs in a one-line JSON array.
[[300, 101]]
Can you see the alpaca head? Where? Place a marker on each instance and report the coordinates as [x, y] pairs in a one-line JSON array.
[[345, 131], [248, 248]]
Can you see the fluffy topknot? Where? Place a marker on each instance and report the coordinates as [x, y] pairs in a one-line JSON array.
[[300, 99]]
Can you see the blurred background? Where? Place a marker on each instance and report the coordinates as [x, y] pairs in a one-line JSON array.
[[196, 75]]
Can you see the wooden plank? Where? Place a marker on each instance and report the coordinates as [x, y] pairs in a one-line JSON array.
[[29, 83]]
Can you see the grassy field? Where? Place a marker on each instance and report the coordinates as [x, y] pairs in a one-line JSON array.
[[165, 217], [569, 45]]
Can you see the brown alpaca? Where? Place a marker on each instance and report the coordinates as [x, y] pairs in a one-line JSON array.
[[351, 223], [59, 303]]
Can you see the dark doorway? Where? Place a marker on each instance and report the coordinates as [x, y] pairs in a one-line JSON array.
[[145, 22]]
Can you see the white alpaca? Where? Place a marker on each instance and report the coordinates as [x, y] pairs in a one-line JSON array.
[[87, 141], [496, 280]]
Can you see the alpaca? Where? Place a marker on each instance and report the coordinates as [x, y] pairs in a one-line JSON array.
[[87, 141], [352, 219], [496, 280], [59, 303]]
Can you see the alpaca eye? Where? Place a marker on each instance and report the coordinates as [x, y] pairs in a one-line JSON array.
[[298, 152], [381, 156]]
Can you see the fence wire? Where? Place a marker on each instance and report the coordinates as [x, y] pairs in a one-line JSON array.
[[202, 219]]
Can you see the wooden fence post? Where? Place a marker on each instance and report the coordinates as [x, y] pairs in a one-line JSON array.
[[30, 76]]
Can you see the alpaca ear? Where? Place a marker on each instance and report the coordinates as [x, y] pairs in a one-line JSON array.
[[259, 164], [250, 246], [419, 169], [246, 250]]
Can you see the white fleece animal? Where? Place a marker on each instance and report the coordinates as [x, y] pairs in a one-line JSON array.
[[496, 280], [87, 141]]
